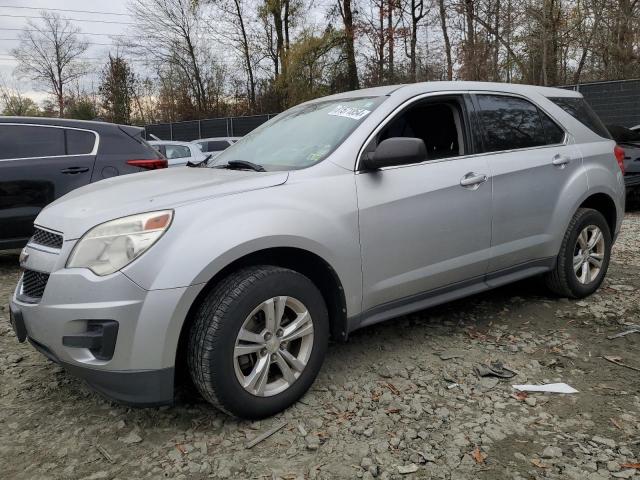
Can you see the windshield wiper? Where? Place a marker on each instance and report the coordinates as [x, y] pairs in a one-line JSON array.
[[240, 164], [200, 164]]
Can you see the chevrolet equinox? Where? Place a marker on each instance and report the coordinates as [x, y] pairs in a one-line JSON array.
[[337, 214]]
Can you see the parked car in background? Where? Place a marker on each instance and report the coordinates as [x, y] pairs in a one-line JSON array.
[[179, 153], [215, 145], [629, 140], [336, 214], [42, 159]]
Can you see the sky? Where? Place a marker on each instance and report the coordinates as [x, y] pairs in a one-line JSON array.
[[12, 18]]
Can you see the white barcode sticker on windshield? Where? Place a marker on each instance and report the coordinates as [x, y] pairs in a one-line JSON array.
[[349, 112]]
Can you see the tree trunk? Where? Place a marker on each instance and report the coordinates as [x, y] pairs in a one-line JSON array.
[[412, 46], [447, 42], [390, 33], [381, 43], [352, 68], [286, 24], [470, 59], [247, 56]]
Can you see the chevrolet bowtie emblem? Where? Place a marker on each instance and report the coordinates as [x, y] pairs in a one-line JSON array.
[[24, 256]]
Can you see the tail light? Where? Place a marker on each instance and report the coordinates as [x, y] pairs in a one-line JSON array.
[[618, 151], [149, 164]]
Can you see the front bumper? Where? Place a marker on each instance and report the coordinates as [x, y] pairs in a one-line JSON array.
[[142, 388], [138, 368]]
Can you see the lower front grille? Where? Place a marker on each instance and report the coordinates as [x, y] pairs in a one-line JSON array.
[[34, 283]]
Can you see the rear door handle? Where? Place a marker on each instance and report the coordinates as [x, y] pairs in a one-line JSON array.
[[473, 179], [561, 160], [74, 170]]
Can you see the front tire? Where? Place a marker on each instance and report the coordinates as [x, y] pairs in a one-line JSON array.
[[584, 256], [258, 341]]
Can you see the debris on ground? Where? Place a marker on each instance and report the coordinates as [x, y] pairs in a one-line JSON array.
[[548, 388], [630, 330], [495, 369], [266, 434], [618, 361]]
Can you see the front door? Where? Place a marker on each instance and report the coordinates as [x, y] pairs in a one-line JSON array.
[[427, 225]]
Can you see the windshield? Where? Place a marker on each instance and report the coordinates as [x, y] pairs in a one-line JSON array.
[[302, 136]]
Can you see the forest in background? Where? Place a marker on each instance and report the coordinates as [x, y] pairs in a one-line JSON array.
[[191, 59]]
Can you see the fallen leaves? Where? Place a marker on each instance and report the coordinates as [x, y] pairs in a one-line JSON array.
[[478, 456], [520, 396]]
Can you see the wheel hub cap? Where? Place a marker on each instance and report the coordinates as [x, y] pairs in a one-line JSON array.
[[273, 346]]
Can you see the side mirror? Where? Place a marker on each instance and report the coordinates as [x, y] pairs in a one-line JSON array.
[[395, 151]]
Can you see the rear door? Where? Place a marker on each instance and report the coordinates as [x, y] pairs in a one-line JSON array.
[[532, 162], [38, 164]]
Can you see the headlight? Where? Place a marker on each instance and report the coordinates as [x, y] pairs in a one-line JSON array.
[[110, 246]]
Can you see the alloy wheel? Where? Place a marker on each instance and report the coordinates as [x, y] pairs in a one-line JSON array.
[[273, 346], [588, 254]]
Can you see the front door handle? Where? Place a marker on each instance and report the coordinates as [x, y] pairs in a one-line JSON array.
[[74, 170], [473, 180], [561, 160]]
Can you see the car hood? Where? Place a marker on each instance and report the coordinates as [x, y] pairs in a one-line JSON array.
[[85, 207]]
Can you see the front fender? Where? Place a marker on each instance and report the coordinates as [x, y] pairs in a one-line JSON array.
[[207, 236]]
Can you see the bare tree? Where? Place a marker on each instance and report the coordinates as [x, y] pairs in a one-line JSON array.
[[50, 53], [416, 12], [239, 35], [172, 36]]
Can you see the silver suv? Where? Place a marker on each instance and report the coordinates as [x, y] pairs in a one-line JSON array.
[[336, 214]]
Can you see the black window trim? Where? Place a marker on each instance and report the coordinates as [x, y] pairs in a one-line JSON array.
[[474, 94], [93, 152], [444, 95]]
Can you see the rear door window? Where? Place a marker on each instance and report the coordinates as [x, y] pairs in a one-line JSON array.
[[176, 151], [510, 123], [579, 109], [217, 145], [80, 142], [27, 141]]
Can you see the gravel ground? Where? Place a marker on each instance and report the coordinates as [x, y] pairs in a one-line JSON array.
[[399, 400]]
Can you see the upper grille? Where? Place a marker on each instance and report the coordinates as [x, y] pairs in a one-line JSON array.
[[33, 283], [46, 238]]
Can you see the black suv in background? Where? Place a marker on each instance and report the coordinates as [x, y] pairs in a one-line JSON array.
[[629, 140], [41, 159]]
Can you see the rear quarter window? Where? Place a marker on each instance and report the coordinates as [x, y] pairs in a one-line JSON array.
[[579, 109], [114, 141], [79, 142]]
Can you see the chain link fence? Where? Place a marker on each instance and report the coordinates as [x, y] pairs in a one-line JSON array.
[[617, 102], [211, 127]]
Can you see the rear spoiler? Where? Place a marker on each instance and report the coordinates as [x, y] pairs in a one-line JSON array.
[[131, 130]]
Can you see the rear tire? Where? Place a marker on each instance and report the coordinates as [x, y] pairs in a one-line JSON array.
[[283, 358], [584, 256]]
